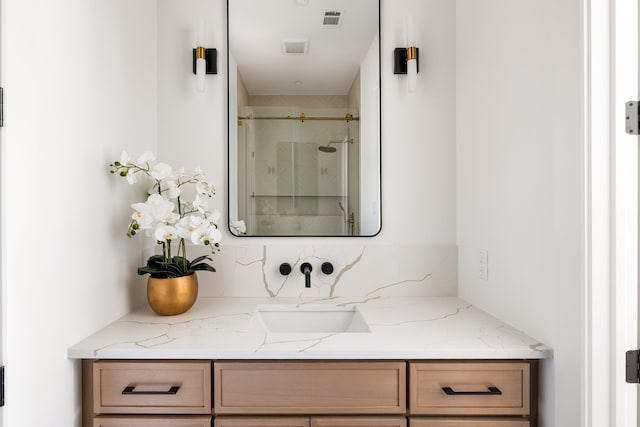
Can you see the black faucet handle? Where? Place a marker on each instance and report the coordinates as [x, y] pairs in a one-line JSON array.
[[327, 268], [285, 268]]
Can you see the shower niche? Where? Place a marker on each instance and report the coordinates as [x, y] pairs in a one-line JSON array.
[[304, 126]]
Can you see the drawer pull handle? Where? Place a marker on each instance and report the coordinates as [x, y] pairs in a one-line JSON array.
[[131, 390], [490, 391]]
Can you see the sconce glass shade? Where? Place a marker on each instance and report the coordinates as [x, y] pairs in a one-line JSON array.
[[201, 62], [201, 68], [405, 60], [410, 35], [412, 55], [412, 68], [204, 60]]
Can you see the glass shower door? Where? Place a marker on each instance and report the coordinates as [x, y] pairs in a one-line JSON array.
[[300, 171]]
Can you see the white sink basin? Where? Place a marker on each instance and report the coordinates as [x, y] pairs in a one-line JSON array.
[[307, 319]]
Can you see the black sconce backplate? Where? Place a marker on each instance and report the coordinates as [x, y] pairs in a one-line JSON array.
[[400, 60], [211, 56]]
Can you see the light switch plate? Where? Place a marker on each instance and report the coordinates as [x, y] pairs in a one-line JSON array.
[[482, 264]]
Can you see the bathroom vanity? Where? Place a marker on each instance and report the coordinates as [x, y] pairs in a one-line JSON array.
[[420, 362]]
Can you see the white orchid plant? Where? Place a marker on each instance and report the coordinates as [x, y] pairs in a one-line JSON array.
[[169, 217]]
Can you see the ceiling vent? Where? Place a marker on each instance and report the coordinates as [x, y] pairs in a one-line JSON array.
[[332, 18], [294, 47]]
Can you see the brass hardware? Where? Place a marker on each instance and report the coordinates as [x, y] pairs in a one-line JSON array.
[[200, 53], [239, 122], [412, 53], [348, 118]]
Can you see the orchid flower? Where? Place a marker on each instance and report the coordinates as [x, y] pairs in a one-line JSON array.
[[170, 216]]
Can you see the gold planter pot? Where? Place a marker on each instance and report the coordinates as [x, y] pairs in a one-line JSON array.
[[172, 296]]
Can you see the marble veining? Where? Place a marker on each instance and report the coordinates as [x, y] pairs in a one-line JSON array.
[[405, 293], [359, 270], [400, 327]]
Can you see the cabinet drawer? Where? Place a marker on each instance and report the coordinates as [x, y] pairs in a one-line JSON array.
[[153, 421], [310, 387], [381, 421], [270, 421], [468, 422], [264, 421], [483, 388], [151, 387]]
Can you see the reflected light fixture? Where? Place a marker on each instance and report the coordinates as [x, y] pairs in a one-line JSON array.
[[405, 60], [204, 60]]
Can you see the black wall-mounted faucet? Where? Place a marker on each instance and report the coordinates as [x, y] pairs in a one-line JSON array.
[[306, 269]]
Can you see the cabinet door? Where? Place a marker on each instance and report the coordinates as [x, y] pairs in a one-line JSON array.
[[152, 421], [358, 421], [468, 422], [261, 421], [463, 388], [309, 387]]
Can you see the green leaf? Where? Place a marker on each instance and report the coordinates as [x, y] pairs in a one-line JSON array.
[[200, 258], [178, 266], [202, 267], [155, 259]]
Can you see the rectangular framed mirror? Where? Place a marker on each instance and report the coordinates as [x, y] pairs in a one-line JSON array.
[[304, 117]]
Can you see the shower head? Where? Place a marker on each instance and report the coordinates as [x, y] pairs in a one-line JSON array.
[[327, 149]]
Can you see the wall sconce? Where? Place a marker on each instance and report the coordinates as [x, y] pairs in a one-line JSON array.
[[205, 61], [405, 60]]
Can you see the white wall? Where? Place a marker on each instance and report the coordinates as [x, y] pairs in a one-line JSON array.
[[80, 86], [192, 126], [90, 90], [418, 131], [520, 188]]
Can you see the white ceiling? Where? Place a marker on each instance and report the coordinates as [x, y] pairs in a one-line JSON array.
[[257, 27]]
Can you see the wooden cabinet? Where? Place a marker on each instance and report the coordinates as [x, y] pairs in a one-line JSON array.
[[478, 388], [319, 421], [310, 387], [145, 387], [380, 421], [481, 388], [152, 421], [292, 393], [260, 421], [468, 422]]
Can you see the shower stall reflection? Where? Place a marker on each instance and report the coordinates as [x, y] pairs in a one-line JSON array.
[[298, 171]]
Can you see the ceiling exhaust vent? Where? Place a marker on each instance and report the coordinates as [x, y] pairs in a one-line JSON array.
[[332, 18], [294, 47]]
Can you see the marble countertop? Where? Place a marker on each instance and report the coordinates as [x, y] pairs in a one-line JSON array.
[[399, 328]]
